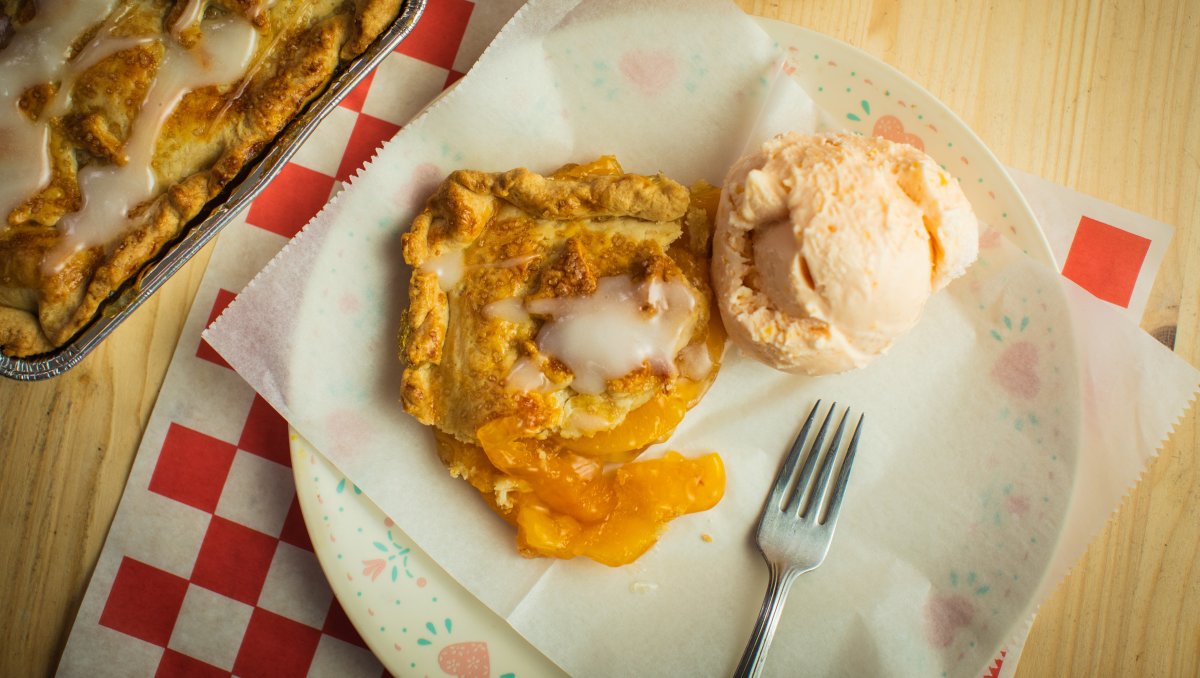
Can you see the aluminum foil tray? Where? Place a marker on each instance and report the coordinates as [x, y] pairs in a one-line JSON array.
[[237, 196]]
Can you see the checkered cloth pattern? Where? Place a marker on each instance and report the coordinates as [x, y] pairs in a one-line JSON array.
[[208, 569], [1106, 260]]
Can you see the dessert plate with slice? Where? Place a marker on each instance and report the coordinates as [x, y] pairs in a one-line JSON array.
[[419, 621]]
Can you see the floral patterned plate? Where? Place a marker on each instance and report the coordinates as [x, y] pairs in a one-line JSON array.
[[867, 96], [415, 617]]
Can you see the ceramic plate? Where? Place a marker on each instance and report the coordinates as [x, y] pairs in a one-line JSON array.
[[414, 616]]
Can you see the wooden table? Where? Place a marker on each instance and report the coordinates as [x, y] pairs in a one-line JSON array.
[[1098, 96]]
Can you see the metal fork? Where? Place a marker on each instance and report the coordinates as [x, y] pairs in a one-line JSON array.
[[797, 524]]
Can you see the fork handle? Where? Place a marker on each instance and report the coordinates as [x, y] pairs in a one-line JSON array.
[[754, 657]]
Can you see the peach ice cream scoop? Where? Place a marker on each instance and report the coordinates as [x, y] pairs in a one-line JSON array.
[[827, 247]]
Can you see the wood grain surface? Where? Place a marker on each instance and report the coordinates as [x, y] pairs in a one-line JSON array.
[[1097, 95]]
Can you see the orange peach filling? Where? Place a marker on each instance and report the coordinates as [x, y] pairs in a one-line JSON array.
[[566, 505], [644, 426]]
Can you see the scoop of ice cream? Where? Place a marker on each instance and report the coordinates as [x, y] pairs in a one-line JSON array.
[[827, 247]]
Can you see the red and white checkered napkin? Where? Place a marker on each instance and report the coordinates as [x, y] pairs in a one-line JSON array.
[[208, 569]]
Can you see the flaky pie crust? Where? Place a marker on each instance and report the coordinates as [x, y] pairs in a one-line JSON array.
[[526, 236], [213, 134]]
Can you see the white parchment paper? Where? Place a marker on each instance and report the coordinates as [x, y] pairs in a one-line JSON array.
[[969, 469]]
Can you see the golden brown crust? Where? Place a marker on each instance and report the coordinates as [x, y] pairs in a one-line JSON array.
[[18, 329], [370, 19], [571, 275], [524, 236], [648, 198], [213, 133], [113, 90]]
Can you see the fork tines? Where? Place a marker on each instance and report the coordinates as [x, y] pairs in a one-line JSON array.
[[795, 493]]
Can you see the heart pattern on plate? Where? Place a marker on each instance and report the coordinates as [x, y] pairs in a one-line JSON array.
[[465, 660], [889, 127]]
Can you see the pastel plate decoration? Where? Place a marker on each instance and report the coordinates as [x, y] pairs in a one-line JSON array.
[[412, 615], [865, 95]]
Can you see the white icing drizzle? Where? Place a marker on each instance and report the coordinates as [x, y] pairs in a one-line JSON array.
[[511, 309], [36, 54], [297, 15], [525, 375], [104, 45], [447, 266], [615, 330], [694, 362], [110, 191], [191, 13]]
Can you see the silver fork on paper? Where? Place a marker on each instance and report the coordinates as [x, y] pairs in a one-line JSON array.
[[797, 524]]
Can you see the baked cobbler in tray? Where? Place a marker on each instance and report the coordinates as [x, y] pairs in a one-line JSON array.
[[556, 327], [120, 120]]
